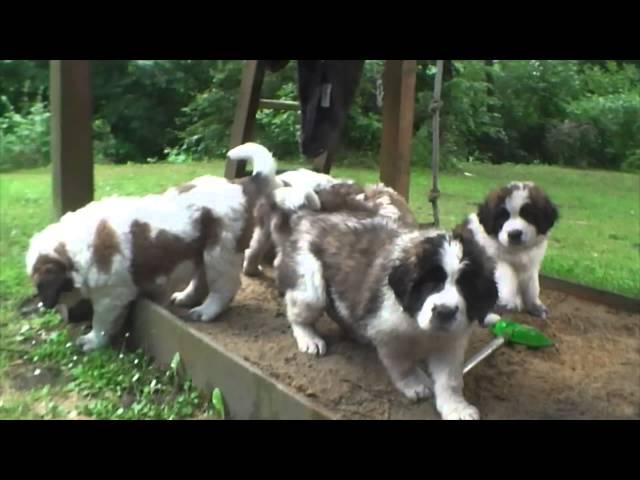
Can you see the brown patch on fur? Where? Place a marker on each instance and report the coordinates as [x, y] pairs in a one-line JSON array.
[[546, 212], [498, 196], [50, 275], [380, 195], [489, 208], [48, 264], [157, 256], [185, 187], [105, 246], [353, 260], [341, 196], [62, 252]]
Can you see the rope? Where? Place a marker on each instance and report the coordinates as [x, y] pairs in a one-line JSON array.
[[434, 109], [435, 106]]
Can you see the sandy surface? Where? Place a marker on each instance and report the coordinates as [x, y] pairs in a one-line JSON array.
[[593, 373]]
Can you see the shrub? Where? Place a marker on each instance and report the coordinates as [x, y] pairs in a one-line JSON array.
[[616, 118], [24, 137]]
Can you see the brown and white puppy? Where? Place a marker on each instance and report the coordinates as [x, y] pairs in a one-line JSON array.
[[413, 294], [115, 249], [340, 195], [513, 224]]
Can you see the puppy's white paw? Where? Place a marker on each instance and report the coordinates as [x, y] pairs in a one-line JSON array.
[[251, 270], [416, 386], [309, 341], [461, 411], [491, 319], [91, 341], [538, 310], [200, 314], [181, 299]]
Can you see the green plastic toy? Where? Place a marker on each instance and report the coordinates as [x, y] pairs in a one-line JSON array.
[[508, 331]]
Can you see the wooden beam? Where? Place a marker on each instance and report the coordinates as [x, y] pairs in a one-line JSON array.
[[246, 109], [399, 83], [71, 134], [279, 105]]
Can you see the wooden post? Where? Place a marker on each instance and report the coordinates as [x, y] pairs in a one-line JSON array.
[[399, 83], [246, 109], [71, 134]]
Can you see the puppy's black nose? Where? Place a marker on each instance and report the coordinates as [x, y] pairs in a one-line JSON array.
[[515, 236], [444, 313]]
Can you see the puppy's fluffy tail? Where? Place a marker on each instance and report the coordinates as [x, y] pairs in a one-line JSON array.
[[261, 158]]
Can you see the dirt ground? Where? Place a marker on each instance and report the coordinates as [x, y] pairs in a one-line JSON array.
[[592, 373]]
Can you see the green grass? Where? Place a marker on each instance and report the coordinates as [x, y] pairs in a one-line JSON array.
[[103, 385], [596, 243]]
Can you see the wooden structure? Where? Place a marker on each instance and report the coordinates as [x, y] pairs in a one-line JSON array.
[[399, 81], [249, 102], [71, 106], [71, 134]]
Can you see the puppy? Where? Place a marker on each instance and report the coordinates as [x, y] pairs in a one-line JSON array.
[[326, 196], [512, 224], [304, 178], [412, 294], [261, 243], [115, 249]]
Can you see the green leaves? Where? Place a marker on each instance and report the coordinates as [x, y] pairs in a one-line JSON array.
[[175, 362], [218, 403]]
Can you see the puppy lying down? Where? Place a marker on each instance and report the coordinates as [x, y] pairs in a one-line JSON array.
[[315, 191], [412, 294], [115, 249]]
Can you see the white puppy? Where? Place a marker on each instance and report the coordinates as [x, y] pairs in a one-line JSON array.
[[115, 249], [512, 224]]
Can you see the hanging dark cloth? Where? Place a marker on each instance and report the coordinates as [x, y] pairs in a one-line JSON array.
[[326, 89], [275, 65]]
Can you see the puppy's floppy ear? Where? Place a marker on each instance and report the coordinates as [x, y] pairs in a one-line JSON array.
[[477, 279], [51, 285], [401, 280], [549, 215], [485, 217], [490, 210], [418, 273], [480, 291]]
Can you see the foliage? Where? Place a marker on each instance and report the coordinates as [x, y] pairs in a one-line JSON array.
[[564, 112], [204, 124], [24, 137], [616, 118]]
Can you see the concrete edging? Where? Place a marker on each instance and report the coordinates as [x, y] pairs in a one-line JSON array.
[[248, 393], [610, 299]]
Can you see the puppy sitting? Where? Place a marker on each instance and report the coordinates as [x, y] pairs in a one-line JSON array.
[[412, 294], [115, 249], [512, 225]]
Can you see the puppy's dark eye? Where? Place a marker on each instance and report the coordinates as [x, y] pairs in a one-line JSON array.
[[502, 215], [528, 213], [436, 274]]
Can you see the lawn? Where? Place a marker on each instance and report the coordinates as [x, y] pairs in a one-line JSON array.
[[596, 243]]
